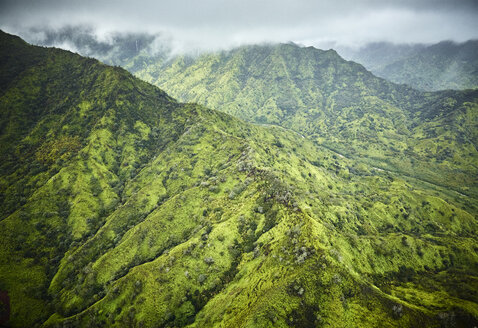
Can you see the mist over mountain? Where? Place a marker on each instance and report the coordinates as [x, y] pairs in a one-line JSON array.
[[113, 48], [445, 65], [217, 25], [376, 55]]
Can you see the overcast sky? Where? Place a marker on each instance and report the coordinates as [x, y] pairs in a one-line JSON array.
[[212, 24]]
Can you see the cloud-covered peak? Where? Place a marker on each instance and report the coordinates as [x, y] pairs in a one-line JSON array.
[[216, 24]]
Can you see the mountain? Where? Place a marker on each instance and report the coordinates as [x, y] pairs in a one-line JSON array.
[[128, 50], [339, 104], [445, 65], [432, 67], [374, 56], [122, 207]]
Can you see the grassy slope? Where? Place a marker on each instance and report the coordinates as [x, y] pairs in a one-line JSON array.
[[71, 138], [132, 208], [337, 103]]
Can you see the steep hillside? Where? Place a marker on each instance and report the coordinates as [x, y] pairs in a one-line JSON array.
[[124, 208], [445, 65], [337, 103]]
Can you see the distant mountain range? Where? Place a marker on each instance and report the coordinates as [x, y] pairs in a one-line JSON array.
[[445, 65], [335, 199]]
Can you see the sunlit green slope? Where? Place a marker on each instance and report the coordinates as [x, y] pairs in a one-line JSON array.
[[431, 136], [122, 207]]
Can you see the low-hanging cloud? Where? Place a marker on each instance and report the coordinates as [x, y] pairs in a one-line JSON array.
[[218, 24]]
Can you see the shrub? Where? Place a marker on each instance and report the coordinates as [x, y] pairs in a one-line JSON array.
[[209, 260], [202, 278]]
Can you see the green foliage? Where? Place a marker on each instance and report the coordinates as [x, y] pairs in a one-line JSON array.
[[338, 104], [165, 214]]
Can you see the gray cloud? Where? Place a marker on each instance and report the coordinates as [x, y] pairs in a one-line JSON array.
[[213, 24]]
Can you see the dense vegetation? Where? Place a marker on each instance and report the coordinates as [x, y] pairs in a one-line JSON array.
[[430, 136], [445, 65], [122, 207]]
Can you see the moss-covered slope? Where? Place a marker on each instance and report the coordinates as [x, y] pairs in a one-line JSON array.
[[337, 103], [122, 207]]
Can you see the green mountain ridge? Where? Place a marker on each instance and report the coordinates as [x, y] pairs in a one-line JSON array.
[[427, 67], [337, 103], [122, 207]]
